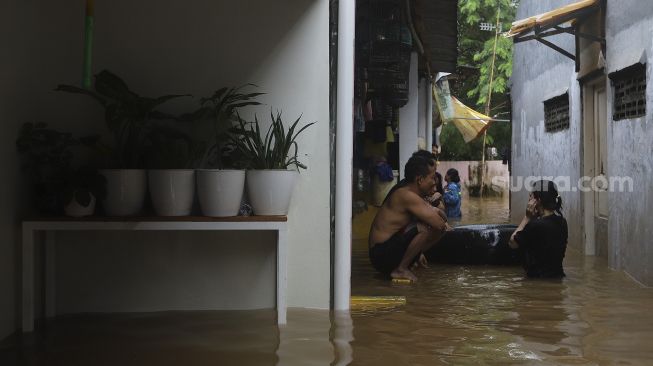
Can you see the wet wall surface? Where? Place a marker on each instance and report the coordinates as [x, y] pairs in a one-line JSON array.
[[539, 74], [628, 42]]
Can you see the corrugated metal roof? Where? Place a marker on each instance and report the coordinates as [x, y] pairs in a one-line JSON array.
[[557, 16], [436, 23]]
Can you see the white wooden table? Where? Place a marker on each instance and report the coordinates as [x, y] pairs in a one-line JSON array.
[[50, 225]]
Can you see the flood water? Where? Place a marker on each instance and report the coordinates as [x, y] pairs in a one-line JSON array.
[[454, 315]]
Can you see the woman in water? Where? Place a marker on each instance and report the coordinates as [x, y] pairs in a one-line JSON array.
[[542, 234]]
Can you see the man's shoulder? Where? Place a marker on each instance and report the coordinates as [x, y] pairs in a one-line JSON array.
[[404, 195]]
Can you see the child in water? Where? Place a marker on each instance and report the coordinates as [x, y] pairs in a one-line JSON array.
[[452, 194], [542, 234]]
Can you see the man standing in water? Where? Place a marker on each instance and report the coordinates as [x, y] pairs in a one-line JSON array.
[[394, 243]]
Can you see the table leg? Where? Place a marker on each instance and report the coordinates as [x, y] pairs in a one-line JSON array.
[[50, 275], [282, 275], [28, 279]]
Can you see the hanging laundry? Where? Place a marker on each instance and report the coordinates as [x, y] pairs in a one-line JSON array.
[[384, 171]]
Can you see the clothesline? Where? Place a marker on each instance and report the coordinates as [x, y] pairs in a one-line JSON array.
[[484, 119]]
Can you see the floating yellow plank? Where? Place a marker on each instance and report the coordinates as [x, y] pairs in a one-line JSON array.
[[373, 303], [369, 299]]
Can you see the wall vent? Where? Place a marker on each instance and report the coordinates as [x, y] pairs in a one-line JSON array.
[[556, 113], [629, 92]]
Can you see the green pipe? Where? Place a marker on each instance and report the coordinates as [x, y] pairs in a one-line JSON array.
[[88, 45]]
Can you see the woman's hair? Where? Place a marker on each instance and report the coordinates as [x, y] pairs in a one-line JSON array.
[[453, 175], [438, 183], [547, 193]]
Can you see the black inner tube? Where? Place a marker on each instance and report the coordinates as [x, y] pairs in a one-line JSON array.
[[476, 244]]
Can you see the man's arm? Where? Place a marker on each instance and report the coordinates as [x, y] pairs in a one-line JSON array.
[[424, 212]]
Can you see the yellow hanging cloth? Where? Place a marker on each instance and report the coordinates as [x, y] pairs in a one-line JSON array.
[[469, 122]]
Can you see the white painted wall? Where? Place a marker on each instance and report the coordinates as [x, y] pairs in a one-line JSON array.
[[163, 47], [421, 106], [408, 118]]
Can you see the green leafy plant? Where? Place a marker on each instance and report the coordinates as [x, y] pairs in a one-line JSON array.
[[476, 46], [272, 151], [127, 114], [221, 108], [46, 158], [170, 148]]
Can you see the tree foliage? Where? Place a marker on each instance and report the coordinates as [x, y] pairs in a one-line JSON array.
[[476, 46], [471, 85], [454, 147]]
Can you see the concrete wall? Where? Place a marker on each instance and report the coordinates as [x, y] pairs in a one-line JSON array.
[[629, 25], [540, 73], [163, 47]]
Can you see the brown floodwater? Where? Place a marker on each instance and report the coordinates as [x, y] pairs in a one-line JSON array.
[[454, 315]]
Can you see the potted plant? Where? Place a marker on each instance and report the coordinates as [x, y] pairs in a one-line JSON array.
[[129, 118], [171, 157], [45, 157], [270, 182], [220, 182], [57, 188]]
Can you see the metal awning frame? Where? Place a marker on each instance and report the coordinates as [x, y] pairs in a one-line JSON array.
[[539, 32]]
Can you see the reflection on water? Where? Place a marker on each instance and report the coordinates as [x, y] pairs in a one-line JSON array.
[[455, 315], [487, 210], [470, 315]]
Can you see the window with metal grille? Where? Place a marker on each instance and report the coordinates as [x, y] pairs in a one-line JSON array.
[[556, 113], [629, 92]]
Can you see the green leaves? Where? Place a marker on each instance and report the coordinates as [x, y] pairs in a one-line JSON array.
[[127, 115], [272, 151], [221, 107], [476, 47], [46, 156], [171, 148], [502, 71]]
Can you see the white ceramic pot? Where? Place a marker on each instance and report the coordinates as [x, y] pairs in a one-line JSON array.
[[270, 190], [172, 191], [220, 191], [75, 209], [125, 191]]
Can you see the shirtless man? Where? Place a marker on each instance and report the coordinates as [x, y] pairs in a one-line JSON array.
[[393, 247]]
